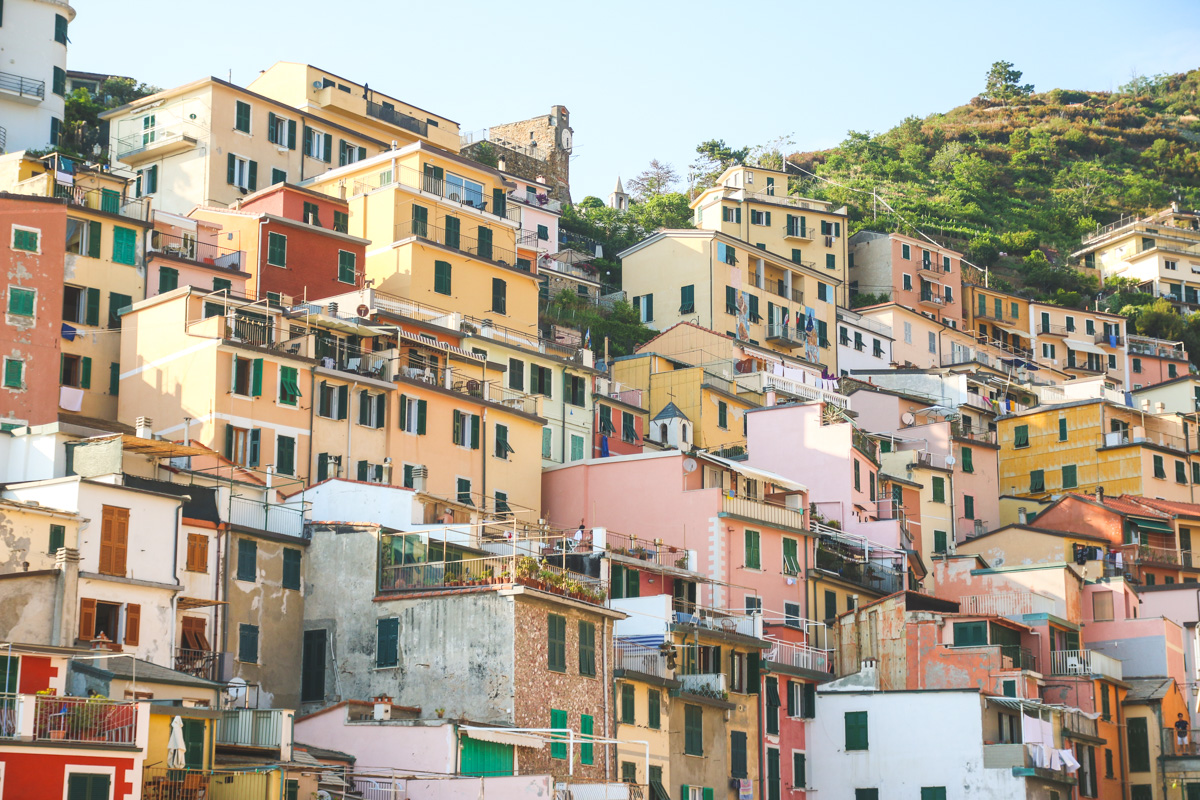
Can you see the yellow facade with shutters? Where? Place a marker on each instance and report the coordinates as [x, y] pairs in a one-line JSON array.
[[1080, 446], [103, 272], [730, 286], [443, 232], [998, 315]]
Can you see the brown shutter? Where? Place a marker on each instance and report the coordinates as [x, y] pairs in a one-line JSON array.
[[87, 619], [106, 540], [133, 623], [201, 553], [120, 540]]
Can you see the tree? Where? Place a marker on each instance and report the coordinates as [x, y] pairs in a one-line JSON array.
[[655, 180], [713, 158], [664, 211], [81, 127], [1003, 83]]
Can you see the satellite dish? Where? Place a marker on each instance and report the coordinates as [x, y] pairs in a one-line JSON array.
[[236, 690], [951, 461], [317, 84], [689, 465], [907, 418]]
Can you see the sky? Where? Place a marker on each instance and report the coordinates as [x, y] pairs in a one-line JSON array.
[[650, 79]]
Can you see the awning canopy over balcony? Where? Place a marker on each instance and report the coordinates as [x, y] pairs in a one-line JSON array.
[[759, 474], [1085, 347]]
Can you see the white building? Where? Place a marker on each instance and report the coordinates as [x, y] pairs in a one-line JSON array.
[[862, 343], [861, 744], [33, 72]]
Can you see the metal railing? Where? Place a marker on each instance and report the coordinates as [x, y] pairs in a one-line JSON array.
[[647, 550], [1084, 662], [786, 333], [286, 520], [705, 685], [1149, 554], [563, 268], [960, 431], [10, 705], [251, 727], [25, 87], [107, 200], [1172, 747], [547, 204], [782, 199], [1052, 330], [1008, 604], [85, 720], [464, 244], [871, 575], [717, 619], [768, 513], [799, 656], [761, 381], [642, 658], [496, 570], [397, 118], [464, 196], [529, 341], [1016, 657], [199, 663], [189, 248], [3, 138], [163, 783], [249, 331]]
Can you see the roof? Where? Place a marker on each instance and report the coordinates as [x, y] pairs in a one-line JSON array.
[[1123, 504], [324, 753], [1174, 508], [1035, 529], [758, 474], [1142, 690], [123, 669], [620, 189], [670, 411]]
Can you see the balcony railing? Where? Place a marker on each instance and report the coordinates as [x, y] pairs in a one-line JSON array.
[[250, 513], [802, 389], [1007, 604], [799, 656], [767, 513], [634, 657], [464, 244], [932, 300], [25, 87], [1085, 663], [781, 198], [1173, 748], [960, 431], [107, 200], [788, 334], [647, 550], [496, 570], [189, 248], [488, 329], [705, 685], [199, 663], [251, 727], [865, 445], [399, 119], [1149, 554], [85, 720], [1046, 329], [717, 619], [542, 201], [163, 783], [1103, 338], [878, 578], [463, 195]]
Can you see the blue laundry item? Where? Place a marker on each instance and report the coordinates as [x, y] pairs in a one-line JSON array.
[[68, 332], [604, 447], [1112, 340]]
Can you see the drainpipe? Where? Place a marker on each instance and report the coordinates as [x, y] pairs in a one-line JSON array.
[[350, 427], [257, 282], [611, 732], [762, 742], [312, 410], [483, 462]]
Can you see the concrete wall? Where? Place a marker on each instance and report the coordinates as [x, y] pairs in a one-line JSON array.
[[33, 57], [428, 745]]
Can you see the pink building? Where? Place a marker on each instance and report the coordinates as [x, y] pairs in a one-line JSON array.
[[1154, 361], [748, 526], [911, 272], [192, 252]]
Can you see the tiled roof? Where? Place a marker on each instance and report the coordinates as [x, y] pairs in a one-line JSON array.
[[1124, 504], [1167, 506]]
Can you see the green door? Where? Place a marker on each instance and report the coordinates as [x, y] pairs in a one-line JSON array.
[[193, 740], [482, 759], [1193, 791]]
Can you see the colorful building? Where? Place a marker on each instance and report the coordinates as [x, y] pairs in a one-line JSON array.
[[911, 272], [863, 344], [33, 96], [183, 251], [1153, 361], [999, 319], [1082, 343]]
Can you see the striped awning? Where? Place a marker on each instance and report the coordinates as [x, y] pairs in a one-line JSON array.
[[505, 737]]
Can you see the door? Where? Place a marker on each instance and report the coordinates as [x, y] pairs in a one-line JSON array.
[[1185, 546], [193, 740], [312, 666], [485, 758]]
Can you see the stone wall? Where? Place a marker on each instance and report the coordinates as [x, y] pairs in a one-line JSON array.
[[535, 153]]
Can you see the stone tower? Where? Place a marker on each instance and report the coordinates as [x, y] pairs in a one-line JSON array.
[[534, 148], [618, 199]]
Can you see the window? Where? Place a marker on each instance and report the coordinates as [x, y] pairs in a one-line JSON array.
[[1037, 481], [291, 568], [1021, 436], [866, 794], [968, 464], [799, 771], [241, 172], [830, 604], [558, 722], [1171, 369], [1180, 472], [939, 490], [83, 237], [932, 342], [503, 448], [693, 730], [906, 252], [168, 279], [970, 634], [1108, 762], [58, 538], [499, 296], [341, 221], [1069, 478], [737, 754], [753, 560], [87, 786], [546, 443], [824, 292], [282, 132], [247, 560], [687, 299], [791, 560], [906, 282], [830, 261], [645, 307], [576, 448], [1160, 471], [387, 642], [466, 430], [587, 648], [124, 245], [772, 687], [318, 145], [441, 277], [760, 217], [197, 552], [968, 506], [654, 709], [371, 409], [114, 540], [247, 643], [14, 373], [556, 653], [333, 402], [933, 793], [285, 455], [276, 249], [939, 541], [348, 153], [463, 490], [628, 704], [247, 376], [75, 371], [147, 181], [576, 389], [347, 267], [241, 117], [289, 386], [856, 730], [1139, 746]]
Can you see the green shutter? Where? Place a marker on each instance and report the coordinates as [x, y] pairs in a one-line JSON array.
[[256, 378], [248, 643], [421, 417], [291, 568], [124, 246], [1070, 479], [654, 709], [586, 750], [484, 247], [939, 541], [453, 231], [587, 648], [387, 647], [255, 443], [92, 314], [241, 120], [285, 447], [939, 490], [95, 232], [856, 730], [1037, 481], [252, 178], [1139, 744], [291, 134], [1021, 436], [114, 378], [970, 634], [328, 148], [558, 720], [968, 506], [85, 373], [271, 137], [168, 279], [474, 431], [441, 277], [967, 463], [693, 730], [247, 560], [628, 704], [1062, 429], [556, 653], [230, 169]]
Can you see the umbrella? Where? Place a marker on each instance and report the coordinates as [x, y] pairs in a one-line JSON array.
[[570, 256], [176, 748]]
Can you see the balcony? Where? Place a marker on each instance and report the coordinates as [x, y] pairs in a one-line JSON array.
[[799, 656], [1046, 329], [258, 728], [960, 431], [465, 195], [803, 388], [391, 116], [464, 244], [648, 550], [1005, 756], [198, 663], [163, 783], [705, 685], [932, 300], [192, 250], [1172, 748], [850, 563], [157, 143], [634, 657], [82, 720], [510, 570], [1084, 663], [583, 273], [1013, 605], [865, 445], [541, 201], [24, 90], [721, 620], [762, 512], [250, 513], [1104, 339], [109, 201], [1161, 556], [787, 334], [799, 232], [777, 198]]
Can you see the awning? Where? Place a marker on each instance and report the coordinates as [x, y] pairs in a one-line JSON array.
[[1153, 525], [188, 603], [160, 448], [1009, 329], [1086, 347], [759, 474], [505, 737]]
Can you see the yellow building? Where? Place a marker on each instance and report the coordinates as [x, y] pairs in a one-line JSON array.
[[209, 142], [1161, 252], [355, 106], [1081, 343], [728, 284], [316, 395], [442, 230], [998, 318], [103, 270], [753, 205], [1081, 445]]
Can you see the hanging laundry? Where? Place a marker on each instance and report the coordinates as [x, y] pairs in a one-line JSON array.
[[68, 332], [70, 398], [1068, 760]]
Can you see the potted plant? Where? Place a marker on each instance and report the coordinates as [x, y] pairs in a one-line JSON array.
[[487, 574], [440, 712]]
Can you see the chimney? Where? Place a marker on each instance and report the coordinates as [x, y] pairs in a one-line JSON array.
[[142, 428], [769, 398], [383, 707], [1022, 516], [1100, 494], [333, 307], [1159, 407]]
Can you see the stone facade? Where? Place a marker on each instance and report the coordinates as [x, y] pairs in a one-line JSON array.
[[539, 147], [537, 689]]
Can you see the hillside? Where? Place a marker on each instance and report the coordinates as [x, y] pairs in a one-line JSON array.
[[1033, 172]]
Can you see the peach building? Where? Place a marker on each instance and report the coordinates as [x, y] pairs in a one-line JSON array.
[[909, 271]]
